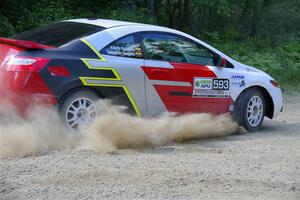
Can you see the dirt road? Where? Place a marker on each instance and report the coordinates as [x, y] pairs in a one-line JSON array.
[[262, 165]]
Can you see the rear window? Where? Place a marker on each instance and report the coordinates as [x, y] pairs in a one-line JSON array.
[[58, 34]]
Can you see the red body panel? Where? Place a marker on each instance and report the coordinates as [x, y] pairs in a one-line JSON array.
[[188, 104], [181, 72], [22, 88], [184, 72]]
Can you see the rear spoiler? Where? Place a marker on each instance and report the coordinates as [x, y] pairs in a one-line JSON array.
[[23, 44]]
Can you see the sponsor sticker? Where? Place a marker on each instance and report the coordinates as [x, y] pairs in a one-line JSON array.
[[237, 76], [204, 84], [242, 84], [132, 51], [211, 87], [238, 80]]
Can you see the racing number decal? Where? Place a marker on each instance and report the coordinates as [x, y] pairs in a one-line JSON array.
[[211, 88], [220, 84]]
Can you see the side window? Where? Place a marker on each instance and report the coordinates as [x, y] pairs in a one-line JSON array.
[[124, 47], [173, 48]]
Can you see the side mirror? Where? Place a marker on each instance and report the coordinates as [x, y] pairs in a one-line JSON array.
[[221, 62]]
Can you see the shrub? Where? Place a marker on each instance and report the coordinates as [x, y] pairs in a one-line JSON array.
[[281, 62]]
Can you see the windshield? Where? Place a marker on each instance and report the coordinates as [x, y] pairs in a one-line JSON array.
[[58, 34]]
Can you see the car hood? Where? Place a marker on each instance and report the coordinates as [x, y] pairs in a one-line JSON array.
[[248, 68]]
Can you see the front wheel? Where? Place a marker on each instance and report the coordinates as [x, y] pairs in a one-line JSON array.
[[79, 109], [249, 109]]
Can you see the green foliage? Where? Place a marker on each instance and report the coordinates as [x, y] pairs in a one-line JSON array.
[[233, 26], [282, 62], [6, 27], [221, 7], [43, 12]]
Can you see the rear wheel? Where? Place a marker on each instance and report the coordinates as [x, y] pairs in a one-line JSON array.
[[249, 109], [79, 109]]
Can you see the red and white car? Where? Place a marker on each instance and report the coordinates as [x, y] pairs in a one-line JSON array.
[[150, 69]]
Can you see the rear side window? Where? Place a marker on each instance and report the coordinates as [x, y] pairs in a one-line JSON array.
[[172, 48], [124, 47], [58, 34]]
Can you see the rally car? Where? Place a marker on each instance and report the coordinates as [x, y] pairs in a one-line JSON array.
[[149, 69]]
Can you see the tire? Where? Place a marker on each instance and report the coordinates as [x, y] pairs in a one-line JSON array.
[[78, 109], [249, 109]]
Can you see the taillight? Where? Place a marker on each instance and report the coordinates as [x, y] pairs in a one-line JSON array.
[[23, 63], [274, 83]]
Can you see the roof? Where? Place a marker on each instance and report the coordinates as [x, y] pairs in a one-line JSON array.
[[107, 23], [133, 27]]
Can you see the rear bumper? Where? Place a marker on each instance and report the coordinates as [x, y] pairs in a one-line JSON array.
[[24, 90]]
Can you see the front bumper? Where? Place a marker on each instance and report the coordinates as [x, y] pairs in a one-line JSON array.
[[276, 95]]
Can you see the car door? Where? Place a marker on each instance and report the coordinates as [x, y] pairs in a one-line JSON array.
[[181, 76], [124, 57]]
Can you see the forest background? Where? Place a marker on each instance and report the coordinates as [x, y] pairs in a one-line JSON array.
[[260, 33]]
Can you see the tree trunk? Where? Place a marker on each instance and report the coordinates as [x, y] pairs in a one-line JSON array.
[[185, 15], [151, 7]]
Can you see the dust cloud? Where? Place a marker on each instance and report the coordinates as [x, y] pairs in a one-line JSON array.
[[43, 131]]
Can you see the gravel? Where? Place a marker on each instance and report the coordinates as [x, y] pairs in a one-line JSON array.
[[261, 165]]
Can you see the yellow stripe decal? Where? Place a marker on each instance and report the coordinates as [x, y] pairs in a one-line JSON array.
[[102, 59], [127, 92], [118, 78], [84, 80], [93, 48]]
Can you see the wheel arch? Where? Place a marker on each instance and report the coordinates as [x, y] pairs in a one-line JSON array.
[[268, 99], [72, 90]]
